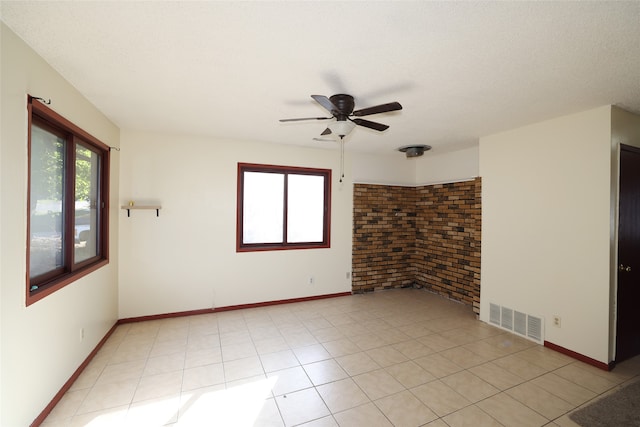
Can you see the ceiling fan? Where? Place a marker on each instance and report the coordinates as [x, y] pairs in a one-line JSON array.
[[341, 108]]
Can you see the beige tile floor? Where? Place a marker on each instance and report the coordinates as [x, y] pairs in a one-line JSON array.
[[394, 358]]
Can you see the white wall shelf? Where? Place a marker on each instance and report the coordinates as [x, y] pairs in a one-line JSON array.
[[129, 208]]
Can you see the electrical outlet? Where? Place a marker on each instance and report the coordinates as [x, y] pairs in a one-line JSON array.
[[81, 334], [348, 275], [310, 280], [557, 321]]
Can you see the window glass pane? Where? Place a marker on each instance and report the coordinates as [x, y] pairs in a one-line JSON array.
[[263, 207], [46, 207], [305, 217], [86, 203]]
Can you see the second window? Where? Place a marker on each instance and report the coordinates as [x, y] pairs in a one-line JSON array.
[[282, 207]]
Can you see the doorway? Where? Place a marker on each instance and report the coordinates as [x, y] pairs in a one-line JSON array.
[[628, 295]]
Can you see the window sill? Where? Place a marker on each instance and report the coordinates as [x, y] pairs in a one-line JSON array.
[[62, 281]]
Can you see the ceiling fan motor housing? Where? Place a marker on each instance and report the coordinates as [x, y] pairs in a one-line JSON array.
[[345, 104]]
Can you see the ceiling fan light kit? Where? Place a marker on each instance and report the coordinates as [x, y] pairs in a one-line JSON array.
[[414, 150], [341, 128]]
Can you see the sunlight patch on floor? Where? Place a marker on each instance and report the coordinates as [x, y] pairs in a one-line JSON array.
[[236, 406]]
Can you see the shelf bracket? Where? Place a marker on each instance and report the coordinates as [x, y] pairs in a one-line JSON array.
[[129, 208]]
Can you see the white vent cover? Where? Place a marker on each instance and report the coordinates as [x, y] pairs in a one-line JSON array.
[[494, 314], [521, 323], [534, 328], [507, 318]]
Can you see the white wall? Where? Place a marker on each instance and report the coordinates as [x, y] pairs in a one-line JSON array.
[[40, 344], [186, 259], [436, 167], [386, 169], [546, 226]]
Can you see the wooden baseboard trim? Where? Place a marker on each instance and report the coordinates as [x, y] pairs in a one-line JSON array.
[[281, 301], [229, 308], [60, 394], [578, 356], [164, 316]]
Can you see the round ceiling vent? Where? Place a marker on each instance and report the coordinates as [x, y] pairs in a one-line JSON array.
[[414, 150]]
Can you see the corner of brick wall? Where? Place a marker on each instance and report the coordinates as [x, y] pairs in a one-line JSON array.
[[384, 227], [427, 236], [448, 240]]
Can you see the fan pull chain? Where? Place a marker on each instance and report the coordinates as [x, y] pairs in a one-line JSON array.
[[341, 158]]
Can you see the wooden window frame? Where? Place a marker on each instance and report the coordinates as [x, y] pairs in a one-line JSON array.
[[285, 170], [49, 283]]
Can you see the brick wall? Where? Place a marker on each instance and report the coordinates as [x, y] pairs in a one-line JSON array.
[[384, 237], [428, 236], [448, 240]]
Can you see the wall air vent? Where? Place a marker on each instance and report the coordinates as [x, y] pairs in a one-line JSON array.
[[523, 324], [494, 314], [520, 323], [507, 318], [534, 328]]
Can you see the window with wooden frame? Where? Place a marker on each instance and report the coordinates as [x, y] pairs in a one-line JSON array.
[[282, 207], [68, 193]]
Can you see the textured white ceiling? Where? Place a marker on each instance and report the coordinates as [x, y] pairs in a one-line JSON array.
[[461, 70]]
